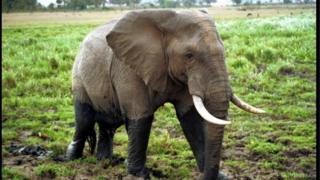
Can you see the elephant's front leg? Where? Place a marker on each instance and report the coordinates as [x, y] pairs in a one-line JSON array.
[[193, 129], [138, 132]]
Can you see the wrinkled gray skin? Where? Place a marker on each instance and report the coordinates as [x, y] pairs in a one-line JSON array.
[[129, 67]]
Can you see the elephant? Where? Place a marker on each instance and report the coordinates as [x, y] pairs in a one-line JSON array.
[[129, 67]]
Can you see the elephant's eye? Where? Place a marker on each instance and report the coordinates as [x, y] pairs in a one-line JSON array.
[[189, 56]]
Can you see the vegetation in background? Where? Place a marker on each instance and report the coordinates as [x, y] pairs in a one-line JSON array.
[[271, 63], [76, 5]]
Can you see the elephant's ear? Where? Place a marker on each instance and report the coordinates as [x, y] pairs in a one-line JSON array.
[[138, 40]]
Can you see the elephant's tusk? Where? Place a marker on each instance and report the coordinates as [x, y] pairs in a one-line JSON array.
[[198, 103], [245, 106]]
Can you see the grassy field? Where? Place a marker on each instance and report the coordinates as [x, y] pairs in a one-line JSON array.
[[98, 17], [271, 62]]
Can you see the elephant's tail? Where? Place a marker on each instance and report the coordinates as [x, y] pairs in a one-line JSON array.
[[92, 140]]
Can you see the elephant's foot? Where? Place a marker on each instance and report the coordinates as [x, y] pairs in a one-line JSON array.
[[131, 177], [103, 154], [221, 176], [104, 151], [143, 174], [74, 150]]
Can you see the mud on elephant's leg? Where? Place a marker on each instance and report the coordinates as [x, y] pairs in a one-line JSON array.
[[84, 130], [193, 129], [138, 132]]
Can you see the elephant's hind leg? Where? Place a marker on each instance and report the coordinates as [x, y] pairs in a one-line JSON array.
[[105, 141], [108, 124], [84, 130]]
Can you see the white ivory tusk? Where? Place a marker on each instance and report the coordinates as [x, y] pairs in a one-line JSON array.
[[198, 103], [245, 106]]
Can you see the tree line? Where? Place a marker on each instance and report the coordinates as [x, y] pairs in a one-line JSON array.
[[248, 2], [34, 5]]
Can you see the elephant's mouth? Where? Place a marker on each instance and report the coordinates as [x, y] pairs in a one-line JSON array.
[[204, 113]]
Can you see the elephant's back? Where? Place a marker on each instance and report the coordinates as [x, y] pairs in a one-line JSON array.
[[90, 75]]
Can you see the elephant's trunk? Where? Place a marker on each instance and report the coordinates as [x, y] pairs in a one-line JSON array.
[[213, 145], [216, 100]]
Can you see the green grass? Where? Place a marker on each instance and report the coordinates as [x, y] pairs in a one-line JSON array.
[[271, 62], [11, 173], [54, 170]]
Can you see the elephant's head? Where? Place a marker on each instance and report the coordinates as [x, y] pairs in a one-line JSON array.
[[165, 47]]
